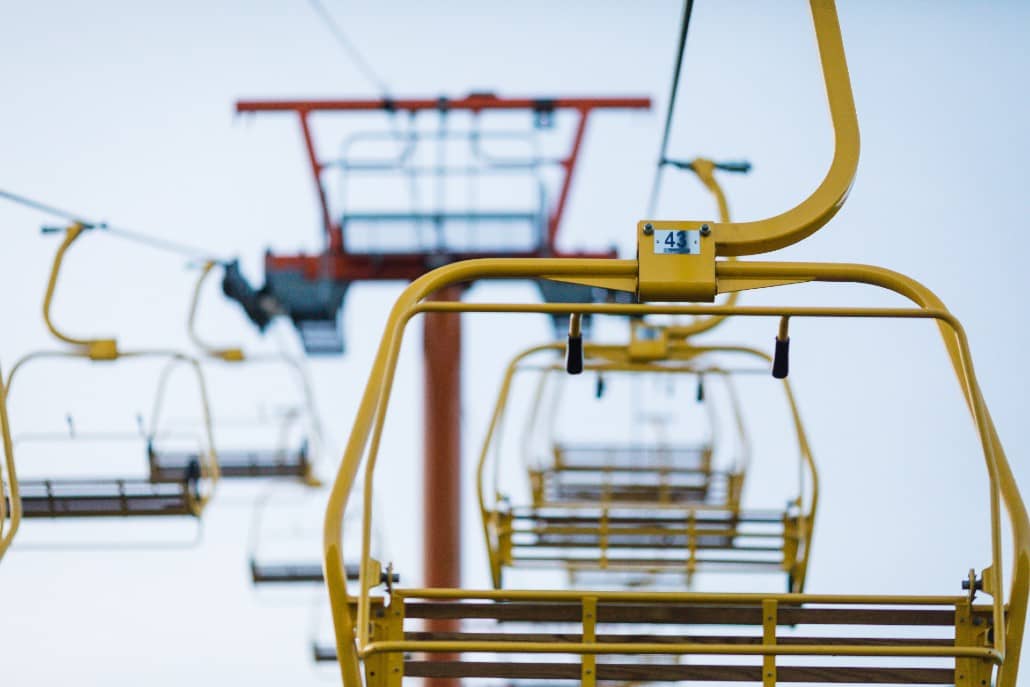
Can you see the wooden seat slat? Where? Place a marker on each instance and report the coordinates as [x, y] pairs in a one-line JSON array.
[[169, 466], [632, 468], [658, 541], [287, 573], [672, 613], [619, 564], [651, 672], [674, 639], [83, 498], [654, 517]]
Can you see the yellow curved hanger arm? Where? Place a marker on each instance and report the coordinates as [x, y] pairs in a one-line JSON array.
[[97, 349], [705, 171], [787, 228], [232, 355]]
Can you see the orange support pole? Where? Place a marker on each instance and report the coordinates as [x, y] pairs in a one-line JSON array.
[[441, 480]]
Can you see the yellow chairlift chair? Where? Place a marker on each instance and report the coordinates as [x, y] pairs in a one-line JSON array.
[[608, 532], [280, 461], [972, 637], [112, 497]]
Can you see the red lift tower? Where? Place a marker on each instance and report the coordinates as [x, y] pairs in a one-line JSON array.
[[444, 180]]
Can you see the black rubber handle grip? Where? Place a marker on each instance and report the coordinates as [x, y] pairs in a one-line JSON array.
[[781, 358], [574, 355], [739, 166]]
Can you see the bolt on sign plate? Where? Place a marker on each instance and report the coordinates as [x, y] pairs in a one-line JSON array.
[[677, 242]]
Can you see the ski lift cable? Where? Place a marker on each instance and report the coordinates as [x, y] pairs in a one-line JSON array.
[[158, 243], [688, 7], [349, 48]]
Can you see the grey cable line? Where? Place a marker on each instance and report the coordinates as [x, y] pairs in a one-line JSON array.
[[352, 52], [158, 243], [688, 7], [44, 208]]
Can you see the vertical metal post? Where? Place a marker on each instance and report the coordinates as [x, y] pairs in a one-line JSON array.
[[441, 534]]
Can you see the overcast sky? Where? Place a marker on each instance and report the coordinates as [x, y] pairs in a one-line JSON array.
[[123, 111]]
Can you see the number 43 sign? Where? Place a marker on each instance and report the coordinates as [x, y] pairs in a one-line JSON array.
[[677, 242]]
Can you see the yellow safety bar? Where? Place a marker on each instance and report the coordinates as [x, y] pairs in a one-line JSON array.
[[98, 349], [693, 277], [11, 493]]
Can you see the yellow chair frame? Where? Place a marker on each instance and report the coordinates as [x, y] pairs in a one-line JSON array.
[[696, 277]]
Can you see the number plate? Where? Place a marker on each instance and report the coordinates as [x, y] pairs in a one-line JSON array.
[[677, 242]]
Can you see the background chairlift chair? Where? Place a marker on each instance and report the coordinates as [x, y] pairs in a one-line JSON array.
[[445, 179], [109, 497], [273, 520], [281, 461], [768, 638], [282, 544], [621, 535], [644, 470]]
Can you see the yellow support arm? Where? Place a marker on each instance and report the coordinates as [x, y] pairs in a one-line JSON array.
[[764, 236], [687, 270], [705, 171], [231, 355], [96, 349]]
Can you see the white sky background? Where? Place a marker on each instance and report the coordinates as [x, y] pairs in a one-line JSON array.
[[122, 111]]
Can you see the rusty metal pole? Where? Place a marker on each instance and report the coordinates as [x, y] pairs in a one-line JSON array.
[[441, 534]]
